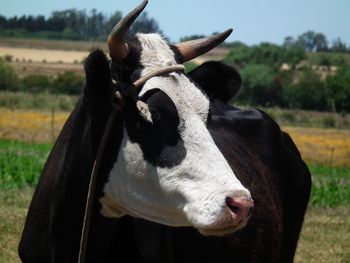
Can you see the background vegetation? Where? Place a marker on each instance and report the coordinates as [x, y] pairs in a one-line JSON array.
[[71, 24], [290, 76]]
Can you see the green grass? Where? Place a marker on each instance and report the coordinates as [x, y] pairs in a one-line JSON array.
[[330, 186], [21, 163]]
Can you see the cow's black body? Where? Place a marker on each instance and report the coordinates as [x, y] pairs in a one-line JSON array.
[[263, 157]]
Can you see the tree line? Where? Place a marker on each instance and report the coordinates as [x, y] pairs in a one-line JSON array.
[[312, 41], [290, 77], [71, 24]]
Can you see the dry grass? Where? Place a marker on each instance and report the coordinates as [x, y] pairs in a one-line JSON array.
[[40, 55], [325, 236], [13, 209], [46, 57], [51, 44], [329, 147], [31, 126], [23, 69]]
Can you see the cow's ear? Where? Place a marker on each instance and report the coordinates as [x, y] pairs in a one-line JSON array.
[[98, 76], [218, 80]]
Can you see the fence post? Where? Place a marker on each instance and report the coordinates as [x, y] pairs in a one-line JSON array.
[[52, 124]]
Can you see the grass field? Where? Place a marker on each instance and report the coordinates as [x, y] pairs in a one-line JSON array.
[[39, 55], [44, 44], [21, 164], [46, 57], [31, 126], [28, 127], [330, 147], [325, 236], [50, 70]]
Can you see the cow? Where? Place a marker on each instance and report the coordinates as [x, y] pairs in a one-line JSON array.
[[182, 169]]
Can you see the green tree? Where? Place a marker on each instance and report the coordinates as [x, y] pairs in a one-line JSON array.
[[239, 55], [265, 53], [339, 90], [308, 93], [339, 46], [68, 33], [112, 21], [144, 24], [260, 86], [191, 37], [307, 40], [320, 42]]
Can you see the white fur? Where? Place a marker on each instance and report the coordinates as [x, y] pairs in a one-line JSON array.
[[190, 194]]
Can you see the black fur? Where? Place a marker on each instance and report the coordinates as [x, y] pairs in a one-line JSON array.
[[218, 80]]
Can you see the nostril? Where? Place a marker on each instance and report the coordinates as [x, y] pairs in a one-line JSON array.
[[232, 205], [240, 206]]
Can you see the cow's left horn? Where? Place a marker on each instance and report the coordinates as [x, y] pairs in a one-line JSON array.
[[194, 48], [118, 48]]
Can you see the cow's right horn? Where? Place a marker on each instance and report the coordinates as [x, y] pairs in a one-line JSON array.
[[118, 48], [194, 48]]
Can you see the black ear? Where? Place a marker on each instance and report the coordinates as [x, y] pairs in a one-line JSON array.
[[218, 80], [98, 75]]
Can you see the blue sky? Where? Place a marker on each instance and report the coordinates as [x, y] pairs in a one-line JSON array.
[[253, 21]]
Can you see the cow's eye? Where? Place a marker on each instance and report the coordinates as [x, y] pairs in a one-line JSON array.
[[164, 114], [156, 115]]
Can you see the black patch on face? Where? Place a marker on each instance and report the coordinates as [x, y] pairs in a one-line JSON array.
[[154, 138]]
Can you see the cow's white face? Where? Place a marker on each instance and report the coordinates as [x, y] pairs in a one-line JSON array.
[[171, 171]]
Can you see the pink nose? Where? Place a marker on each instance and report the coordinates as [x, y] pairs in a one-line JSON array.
[[241, 207]]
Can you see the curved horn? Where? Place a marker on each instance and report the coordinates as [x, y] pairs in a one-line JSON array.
[[118, 49], [194, 48]]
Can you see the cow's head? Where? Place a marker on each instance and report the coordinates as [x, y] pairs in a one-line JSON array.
[[168, 169]]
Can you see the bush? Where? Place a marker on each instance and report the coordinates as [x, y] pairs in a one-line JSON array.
[[329, 122], [35, 83], [328, 59], [8, 58], [40, 101], [8, 77], [68, 83]]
